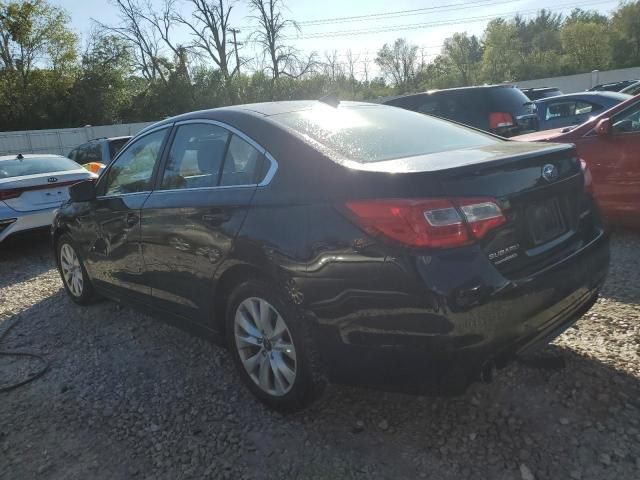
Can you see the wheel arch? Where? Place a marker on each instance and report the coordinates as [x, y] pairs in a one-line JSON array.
[[229, 279]]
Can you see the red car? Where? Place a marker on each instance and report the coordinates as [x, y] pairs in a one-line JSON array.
[[610, 145]]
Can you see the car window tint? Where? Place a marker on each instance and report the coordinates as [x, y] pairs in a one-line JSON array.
[[133, 170], [116, 145], [195, 157], [377, 133], [94, 153], [241, 163], [627, 121], [428, 105], [561, 110], [81, 154], [583, 108]]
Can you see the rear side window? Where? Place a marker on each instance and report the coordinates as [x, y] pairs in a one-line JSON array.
[[196, 157], [82, 154], [377, 133], [508, 99], [35, 166], [241, 163], [94, 152]]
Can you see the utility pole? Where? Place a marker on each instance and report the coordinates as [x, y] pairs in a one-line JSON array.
[[235, 44]]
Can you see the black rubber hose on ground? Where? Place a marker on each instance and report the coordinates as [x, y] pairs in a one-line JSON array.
[[38, 374]]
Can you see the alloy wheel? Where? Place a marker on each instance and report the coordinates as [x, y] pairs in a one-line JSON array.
[[265, 346], [71, 270]]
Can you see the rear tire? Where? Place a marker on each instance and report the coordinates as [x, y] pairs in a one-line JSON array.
[[272, 347], [74, 275]]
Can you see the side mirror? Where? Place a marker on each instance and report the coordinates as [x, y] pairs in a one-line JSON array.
[[84, 191], [603, 127]]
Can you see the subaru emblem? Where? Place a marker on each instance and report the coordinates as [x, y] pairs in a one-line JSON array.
[[549, 172], [52, 179]]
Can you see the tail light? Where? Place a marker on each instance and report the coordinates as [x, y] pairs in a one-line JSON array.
[[588, 179], [432, 223], [10, 193], [500, 120]]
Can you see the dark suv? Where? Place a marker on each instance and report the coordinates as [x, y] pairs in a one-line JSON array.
[[100, 150], [500, 109]]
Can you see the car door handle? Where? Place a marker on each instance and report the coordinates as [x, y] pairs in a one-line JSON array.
[[132, 219]]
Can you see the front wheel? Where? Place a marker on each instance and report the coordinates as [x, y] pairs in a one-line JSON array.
[[272, 347], [74, 275]]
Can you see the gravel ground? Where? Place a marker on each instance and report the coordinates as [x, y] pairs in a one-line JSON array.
[[129, 397]]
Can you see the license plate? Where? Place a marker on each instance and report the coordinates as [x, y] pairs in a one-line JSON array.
[[545, 221]]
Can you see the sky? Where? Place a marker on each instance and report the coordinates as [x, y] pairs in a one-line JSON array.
[[423, 23]]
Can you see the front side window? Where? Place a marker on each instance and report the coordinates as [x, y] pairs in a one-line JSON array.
[[627, 121], [132, 171], [196, 157], [241, 163]]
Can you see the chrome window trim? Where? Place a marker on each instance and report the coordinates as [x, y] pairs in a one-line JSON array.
[[273, 167], [122, 150], [200, 189], [119, 195]]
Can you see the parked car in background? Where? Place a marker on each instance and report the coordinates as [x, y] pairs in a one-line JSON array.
[[633, 89], [98, 153], [500, 109], [543, 92], [610, 146], [351, 241], [575, 108], [613, 86], [32, 187]]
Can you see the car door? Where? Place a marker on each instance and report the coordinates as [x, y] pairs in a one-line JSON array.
[[614, 160], [190, 221], [114, 256]]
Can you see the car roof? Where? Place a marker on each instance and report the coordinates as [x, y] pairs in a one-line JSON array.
[[455, 89], [258, 110], [621, 97], [27, 156], [539, 89]]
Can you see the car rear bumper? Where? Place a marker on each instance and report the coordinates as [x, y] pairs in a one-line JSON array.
[[442, 336], [12, 221]]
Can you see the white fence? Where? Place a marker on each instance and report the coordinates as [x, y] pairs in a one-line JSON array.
[[63, 140], [583, 81]]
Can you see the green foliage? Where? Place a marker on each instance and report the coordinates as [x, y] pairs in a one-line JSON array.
[[45, 82]]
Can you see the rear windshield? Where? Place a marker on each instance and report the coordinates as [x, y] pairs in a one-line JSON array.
[[116, 145], [376, 133], [35, 166], [509, 99]]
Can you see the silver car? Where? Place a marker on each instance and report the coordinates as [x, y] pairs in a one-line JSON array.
[[32, 187]]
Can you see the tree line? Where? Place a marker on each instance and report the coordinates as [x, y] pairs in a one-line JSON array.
[[136, 70]]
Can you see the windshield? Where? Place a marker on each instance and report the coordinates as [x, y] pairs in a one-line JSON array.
[[35, 166], [376, 133]]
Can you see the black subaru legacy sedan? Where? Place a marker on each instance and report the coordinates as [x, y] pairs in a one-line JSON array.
[[351, 243]]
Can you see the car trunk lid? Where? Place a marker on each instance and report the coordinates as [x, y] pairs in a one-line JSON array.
[[39, 192], [542, 195]]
